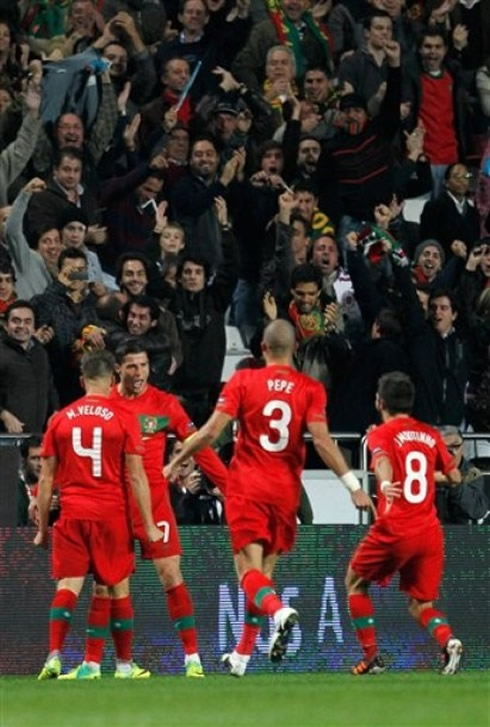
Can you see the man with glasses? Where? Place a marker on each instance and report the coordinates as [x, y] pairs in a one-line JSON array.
[[468, 502], [451, 218]]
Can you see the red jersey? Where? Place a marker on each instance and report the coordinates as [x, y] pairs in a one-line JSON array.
[[415, 451], [159, 413], [273, 406], [89, 438]]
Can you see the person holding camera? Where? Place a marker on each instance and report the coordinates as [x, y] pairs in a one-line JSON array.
[[194, 502], [466, 502]]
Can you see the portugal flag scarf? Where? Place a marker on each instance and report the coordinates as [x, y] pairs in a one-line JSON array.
[[289, 34]]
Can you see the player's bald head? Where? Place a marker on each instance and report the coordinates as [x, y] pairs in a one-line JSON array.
[[279, 338]]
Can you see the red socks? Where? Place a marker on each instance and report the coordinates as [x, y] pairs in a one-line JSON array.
[[181, 612], [436, 624], [362, 613], [60, 616], [260, 592], [122, 627], [251, 629], [97, 629]]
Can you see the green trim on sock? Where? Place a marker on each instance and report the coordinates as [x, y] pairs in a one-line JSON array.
[[122, 624], [97, 632], [186, 622], [60, 613], [253, 620], [365, 622], [262, 593], [435, 622]]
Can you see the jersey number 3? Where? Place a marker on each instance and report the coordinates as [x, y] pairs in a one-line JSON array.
[[279, 425], [416, 469], [94, 452]]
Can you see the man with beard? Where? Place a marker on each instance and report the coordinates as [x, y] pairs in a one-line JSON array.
[[193, 198], [121, 35]]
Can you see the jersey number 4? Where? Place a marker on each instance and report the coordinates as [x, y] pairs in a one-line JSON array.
[[94, 452], [279, 415], [416, 470]]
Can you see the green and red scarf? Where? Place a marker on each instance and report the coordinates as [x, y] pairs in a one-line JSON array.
[[289, 35]]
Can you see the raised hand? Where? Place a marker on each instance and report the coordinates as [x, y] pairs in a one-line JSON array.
[[131, 131], [270, 306], [392, 50]]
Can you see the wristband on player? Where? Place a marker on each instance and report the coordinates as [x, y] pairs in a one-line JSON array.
[[350, 481], [384, 485]]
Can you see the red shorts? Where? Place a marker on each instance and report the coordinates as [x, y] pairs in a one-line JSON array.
[[164, 518], [253, 522], [101, 547], [419, 559]]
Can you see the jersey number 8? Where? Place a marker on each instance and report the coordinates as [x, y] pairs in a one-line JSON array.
[[416, 469], [279, 425], [94, 452]]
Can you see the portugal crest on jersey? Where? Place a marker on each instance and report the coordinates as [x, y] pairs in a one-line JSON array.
[[151, 425]]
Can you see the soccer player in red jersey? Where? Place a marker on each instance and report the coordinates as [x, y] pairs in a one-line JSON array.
[[159, 413], [407, 536], [84, 450], [275, 406]]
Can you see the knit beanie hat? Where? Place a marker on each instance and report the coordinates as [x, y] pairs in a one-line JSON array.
[[429, 243], [72, 214]]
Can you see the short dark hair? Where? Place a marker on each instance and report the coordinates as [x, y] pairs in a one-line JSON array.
[[266, 146], [374, 13], [34, 441], [73, 152], [71, 253], [7, 269], [129, 347], [20, 304], [296, 217], [97, 364], [305, 186], [397, 392], [445, 293], [431, 32], [197, 260], [125, 257], [449, 169], [204, 137], [144, 301], [306, 273], [388, 322]]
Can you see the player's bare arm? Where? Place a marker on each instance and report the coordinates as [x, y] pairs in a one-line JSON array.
[[333, 458], [204, 437], [141, 492], [384, 473], [45, 491]]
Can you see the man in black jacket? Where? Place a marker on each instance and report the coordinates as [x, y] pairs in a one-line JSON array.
[[199, 306], [140, 320], [355, 167], [27, 393], [451, 217]]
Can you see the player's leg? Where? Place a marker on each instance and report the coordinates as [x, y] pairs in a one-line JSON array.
[[237, 660], [361, 610], [60, 616], [181, 610], [260, 592], [122, 630], [420, 578]]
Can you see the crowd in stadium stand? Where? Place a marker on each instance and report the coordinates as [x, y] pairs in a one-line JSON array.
[[171, 166]]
